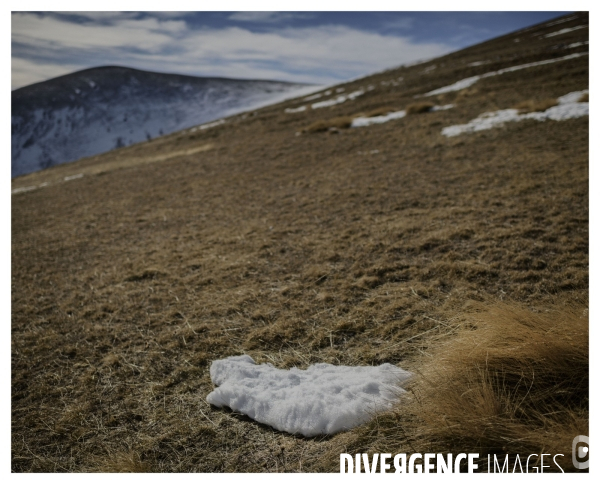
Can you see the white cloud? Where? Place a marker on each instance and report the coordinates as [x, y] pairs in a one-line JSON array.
[[321, 54], [26, 72]]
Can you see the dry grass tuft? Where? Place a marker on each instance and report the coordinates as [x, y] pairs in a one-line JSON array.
[[532, 106], [585, 98], [123, 462], [512, 381], [341, 122], [418, 108], [380, 112]]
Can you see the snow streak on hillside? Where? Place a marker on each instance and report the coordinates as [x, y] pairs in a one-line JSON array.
[[96, 110]]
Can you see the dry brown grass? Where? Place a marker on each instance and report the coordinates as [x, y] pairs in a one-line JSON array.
[[353, 249], [585, 98], [418, 108], [532, 106], [511, 381], [120, 462], [341, 122], [379, 112], [504, 380]]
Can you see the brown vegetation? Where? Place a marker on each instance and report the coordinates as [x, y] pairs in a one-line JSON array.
[[585, 98], [379, 112], [341, 122], [418, 108], [532, 106], [508, 381], [375, 245]]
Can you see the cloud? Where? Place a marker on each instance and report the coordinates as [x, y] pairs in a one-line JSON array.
[[318, 54], [267, 17]]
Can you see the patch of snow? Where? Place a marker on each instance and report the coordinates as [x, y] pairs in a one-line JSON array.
[[517, 40], [469, 81], [73, 177], [429, 69], [337, 100], [556, 22], [92, 84], [327, 93], [340, 89], [477, 63], [442, 108], [361, 122], [572, 97], [576, 44], [77, 91], [564, 31], [567, 108], [295, 110], [313, 97], [23, 189], [209, 125], [323, 399]]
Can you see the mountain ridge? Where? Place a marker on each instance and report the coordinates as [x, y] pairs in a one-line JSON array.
[[98, 109]]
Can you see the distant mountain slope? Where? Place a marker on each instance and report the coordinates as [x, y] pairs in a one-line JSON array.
[[96, 110]]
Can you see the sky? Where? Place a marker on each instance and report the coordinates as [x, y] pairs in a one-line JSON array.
[[310, 47]]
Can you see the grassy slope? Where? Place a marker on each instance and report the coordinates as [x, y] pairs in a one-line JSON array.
[[357, 247]]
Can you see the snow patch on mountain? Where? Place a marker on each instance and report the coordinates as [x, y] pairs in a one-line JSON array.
[[97, 110]]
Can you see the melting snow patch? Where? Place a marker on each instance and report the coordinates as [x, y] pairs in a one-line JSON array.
[[360, 122], [567, 108], [563, 20], [576, 44], [337, 100], [23, 189], [323, 399], [295, 110], [208, 125], [73, 177], [469, 81], [564, 31], [442, 108], [313, 97]]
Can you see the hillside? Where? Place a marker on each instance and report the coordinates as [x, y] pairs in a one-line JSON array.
[[289, 236], [96, 110]]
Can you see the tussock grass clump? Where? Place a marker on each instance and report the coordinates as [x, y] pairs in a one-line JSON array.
[[585, 98], [121, 462], [531, 106], [511, 381], [380, 112], [341, 122], [418, 108]]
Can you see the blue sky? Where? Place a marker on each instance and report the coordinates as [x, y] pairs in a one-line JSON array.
[[312, 47]]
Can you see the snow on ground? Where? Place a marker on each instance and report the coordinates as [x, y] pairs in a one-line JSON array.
[[207, 125], [576, 44], [567, 108], [469, 81], [361, 122], [323, 399], [73, 177], [564, 31], [561, 21], [442, 108], [338, 100], [23, 189], [295, 110]]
